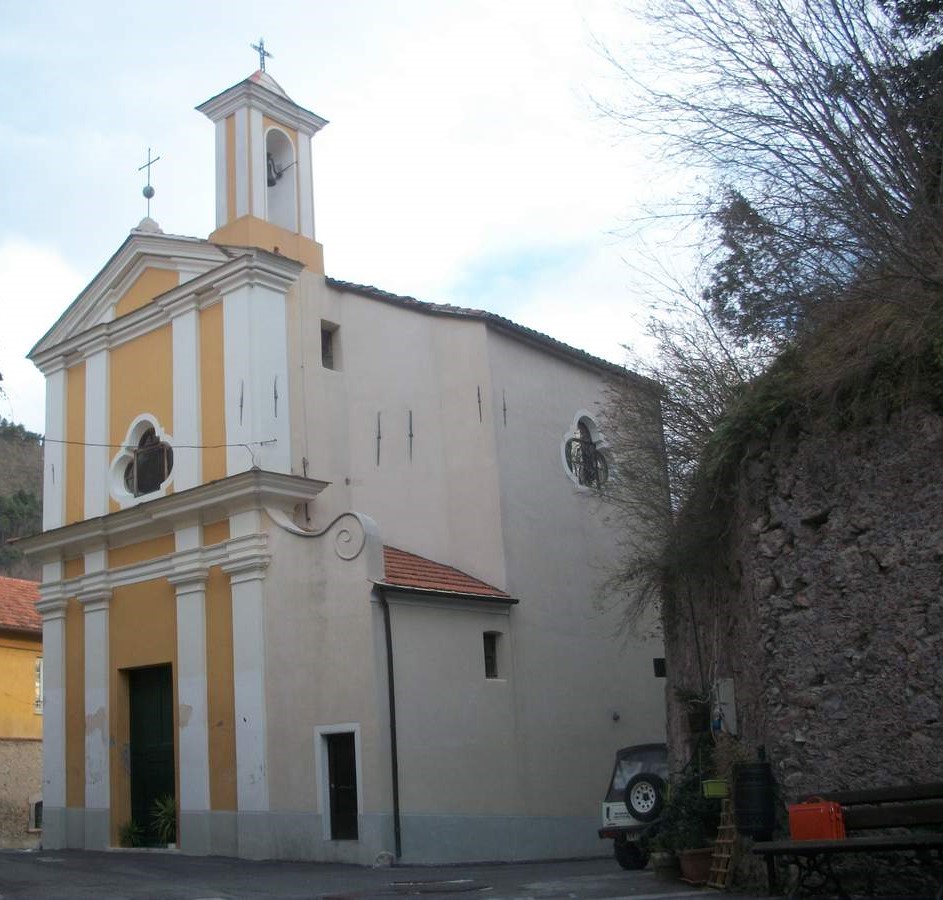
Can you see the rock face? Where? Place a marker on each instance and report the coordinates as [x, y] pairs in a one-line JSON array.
[[830, 617]]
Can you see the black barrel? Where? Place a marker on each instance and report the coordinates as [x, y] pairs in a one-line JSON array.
[[754, 804]]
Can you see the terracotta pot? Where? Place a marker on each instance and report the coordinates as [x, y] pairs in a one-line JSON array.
[[696, 864]]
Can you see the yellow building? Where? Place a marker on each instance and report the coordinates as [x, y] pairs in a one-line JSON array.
[[321, 563], [21, 713]]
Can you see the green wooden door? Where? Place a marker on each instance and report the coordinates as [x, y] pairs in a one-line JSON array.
[[152, 742]]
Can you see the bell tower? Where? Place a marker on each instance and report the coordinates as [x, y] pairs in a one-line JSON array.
[[264, 186]]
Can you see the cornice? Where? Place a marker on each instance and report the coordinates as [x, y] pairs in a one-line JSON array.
[[138, 244], [254, 96], [397, 593], [255, 489], [252, 266]]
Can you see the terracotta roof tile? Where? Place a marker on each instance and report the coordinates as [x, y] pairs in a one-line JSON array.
[[411, 571], [18, 605]]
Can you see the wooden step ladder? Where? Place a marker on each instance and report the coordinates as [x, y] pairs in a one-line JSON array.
[[722, 860]]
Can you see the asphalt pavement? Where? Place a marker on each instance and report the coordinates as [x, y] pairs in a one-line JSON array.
[[120, 874]]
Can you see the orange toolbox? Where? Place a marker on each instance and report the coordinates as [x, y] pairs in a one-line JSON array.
[[816, 820]]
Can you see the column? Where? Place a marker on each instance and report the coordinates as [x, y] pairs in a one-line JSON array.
[[95, 602], [246, 569], [193, 734], [54, 450], [186, 398], [53, 611], [96, 432]]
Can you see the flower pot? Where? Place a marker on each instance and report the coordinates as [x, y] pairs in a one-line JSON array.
[[695, 864], [715, 787]]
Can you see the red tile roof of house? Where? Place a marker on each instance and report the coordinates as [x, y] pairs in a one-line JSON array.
[[18, 605], [407, 570]]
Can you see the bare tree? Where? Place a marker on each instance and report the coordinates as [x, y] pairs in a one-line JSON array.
[[823, 115], [659, 439]]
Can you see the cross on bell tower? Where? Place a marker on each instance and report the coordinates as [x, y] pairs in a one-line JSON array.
[[263, 53]]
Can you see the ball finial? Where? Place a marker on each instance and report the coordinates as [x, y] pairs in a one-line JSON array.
[[148, 191]]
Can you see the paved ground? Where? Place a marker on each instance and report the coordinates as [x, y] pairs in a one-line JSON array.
[[57, 875]]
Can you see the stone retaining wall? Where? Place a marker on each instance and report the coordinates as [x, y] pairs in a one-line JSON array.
[[830, 617]]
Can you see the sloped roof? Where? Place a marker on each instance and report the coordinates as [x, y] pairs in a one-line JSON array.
[[18, 606], [519, 332], [412, 572]]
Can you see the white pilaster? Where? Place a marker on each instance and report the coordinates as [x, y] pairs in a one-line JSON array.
[[97, 718], [258, 421], [189, 580], [96, 434], [186, 399], [54, 451], [248, 640], [54, 653], [257, 162], [241, 162], [222, 176], [305, 187]]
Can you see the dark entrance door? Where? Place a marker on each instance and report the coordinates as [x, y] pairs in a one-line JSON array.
[[152, 743], [342, 774]]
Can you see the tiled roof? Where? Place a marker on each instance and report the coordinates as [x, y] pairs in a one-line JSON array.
[[407, 570], [521, 332], [18, 605]]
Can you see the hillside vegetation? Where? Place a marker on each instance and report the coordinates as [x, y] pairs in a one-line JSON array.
[[21, 491]]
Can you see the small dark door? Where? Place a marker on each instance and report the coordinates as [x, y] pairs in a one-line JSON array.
[[152, 743], [342, 774]]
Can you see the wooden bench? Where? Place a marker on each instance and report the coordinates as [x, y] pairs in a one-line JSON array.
[[902, 809]]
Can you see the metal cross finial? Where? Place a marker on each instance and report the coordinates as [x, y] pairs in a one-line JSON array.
[[260, 49], [148, 190]]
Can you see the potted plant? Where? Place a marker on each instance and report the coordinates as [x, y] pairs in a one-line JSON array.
[[688, 825], [164, 819], [130, 834]]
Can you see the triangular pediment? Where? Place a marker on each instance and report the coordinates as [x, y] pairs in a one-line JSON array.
[[146, 266]]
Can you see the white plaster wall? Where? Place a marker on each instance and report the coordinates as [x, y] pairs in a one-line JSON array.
[[573, 671], [325, 665], [456, 728], [443, 502]]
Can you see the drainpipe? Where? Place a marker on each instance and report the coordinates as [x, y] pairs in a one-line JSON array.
[[391, 687]]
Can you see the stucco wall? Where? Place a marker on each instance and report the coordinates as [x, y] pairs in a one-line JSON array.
[[18, 715], [21, 773], [562, 544]]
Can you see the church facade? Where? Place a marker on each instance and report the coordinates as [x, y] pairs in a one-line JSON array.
[[321, 564]]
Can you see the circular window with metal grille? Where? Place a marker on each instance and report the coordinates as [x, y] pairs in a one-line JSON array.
[[585, 461]]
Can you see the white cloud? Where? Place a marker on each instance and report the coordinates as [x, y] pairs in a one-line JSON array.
[[36, 285]]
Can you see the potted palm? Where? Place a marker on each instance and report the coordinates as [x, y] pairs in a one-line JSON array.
[[164, 819]]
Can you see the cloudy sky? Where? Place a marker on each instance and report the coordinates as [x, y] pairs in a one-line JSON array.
[[464, 161]]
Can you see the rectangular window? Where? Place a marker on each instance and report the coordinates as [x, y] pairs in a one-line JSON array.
[[491, 653], [38, 687], [330, 356], [35, 812]]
